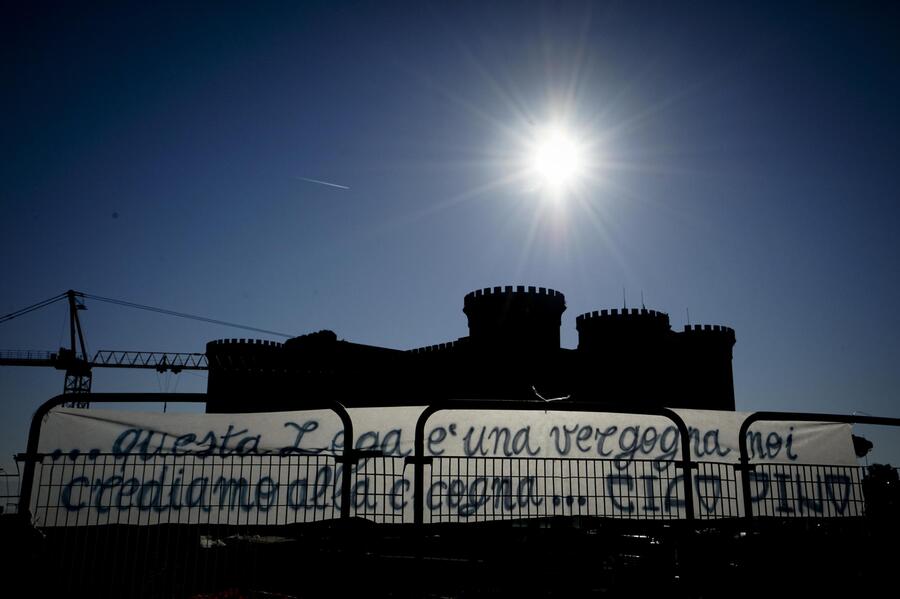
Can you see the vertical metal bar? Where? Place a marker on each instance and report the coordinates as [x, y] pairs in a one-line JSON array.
[[347, 462], [73, 316]]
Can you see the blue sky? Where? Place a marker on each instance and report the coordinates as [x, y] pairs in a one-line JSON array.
[[748, 171]]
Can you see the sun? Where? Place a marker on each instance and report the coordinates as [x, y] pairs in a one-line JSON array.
[[556, 161]]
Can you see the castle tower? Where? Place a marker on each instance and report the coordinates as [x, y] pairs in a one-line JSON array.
[[517, 319], [619, 330], [634, 355], [624, 355], [703, 358], [241, 370]]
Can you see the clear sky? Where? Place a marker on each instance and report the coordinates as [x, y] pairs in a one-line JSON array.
[[745, 166]]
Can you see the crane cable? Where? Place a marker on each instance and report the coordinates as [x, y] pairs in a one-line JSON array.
[[183, 315], [32, 308], [108, 300]]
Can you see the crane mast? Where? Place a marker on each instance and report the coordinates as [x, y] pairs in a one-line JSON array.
[[78, 366]]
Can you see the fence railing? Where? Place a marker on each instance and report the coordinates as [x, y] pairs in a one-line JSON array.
[[272, 490], [185, 525], [113, 489], [802, 485], [33, 459], [9, 491], [537, 493]]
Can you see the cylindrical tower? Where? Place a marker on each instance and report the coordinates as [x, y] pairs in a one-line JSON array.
[[613, 329], [703, 357], [516, 319], [242, 370], [624, 355]]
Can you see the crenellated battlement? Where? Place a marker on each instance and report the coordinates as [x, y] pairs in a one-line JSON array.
[[518, 318], [441, 347], [710, 330], [553, 295], [244, 342], [243, 354], [602, 330], [625, 314]]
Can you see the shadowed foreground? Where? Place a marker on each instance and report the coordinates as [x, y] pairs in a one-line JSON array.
[[544, 558]]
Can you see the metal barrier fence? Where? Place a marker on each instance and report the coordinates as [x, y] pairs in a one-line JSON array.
[[531, 488], [142, 525], [147, 489], [109, 525], [9, 491], [379, 489], [804, 491], [802, 486], [104, 477], [717, 490], [167, 539], [445, 488], [465, 489]]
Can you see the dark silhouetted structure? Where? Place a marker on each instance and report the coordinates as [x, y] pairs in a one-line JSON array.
[[512, 349]]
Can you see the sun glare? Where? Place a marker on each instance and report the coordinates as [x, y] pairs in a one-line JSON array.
[[556, 161]]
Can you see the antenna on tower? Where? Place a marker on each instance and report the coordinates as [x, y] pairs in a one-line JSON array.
[[688, 316], [643, 306], [624, 302]]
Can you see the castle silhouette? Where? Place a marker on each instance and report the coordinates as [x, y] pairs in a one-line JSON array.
[[512, 352]]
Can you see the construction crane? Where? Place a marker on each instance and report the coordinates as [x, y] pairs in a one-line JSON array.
[[78, 365]]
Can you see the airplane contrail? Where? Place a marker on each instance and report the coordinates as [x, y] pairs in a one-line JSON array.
[[307, 179]]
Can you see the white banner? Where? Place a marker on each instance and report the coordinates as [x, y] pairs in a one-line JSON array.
[[115, 467]]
